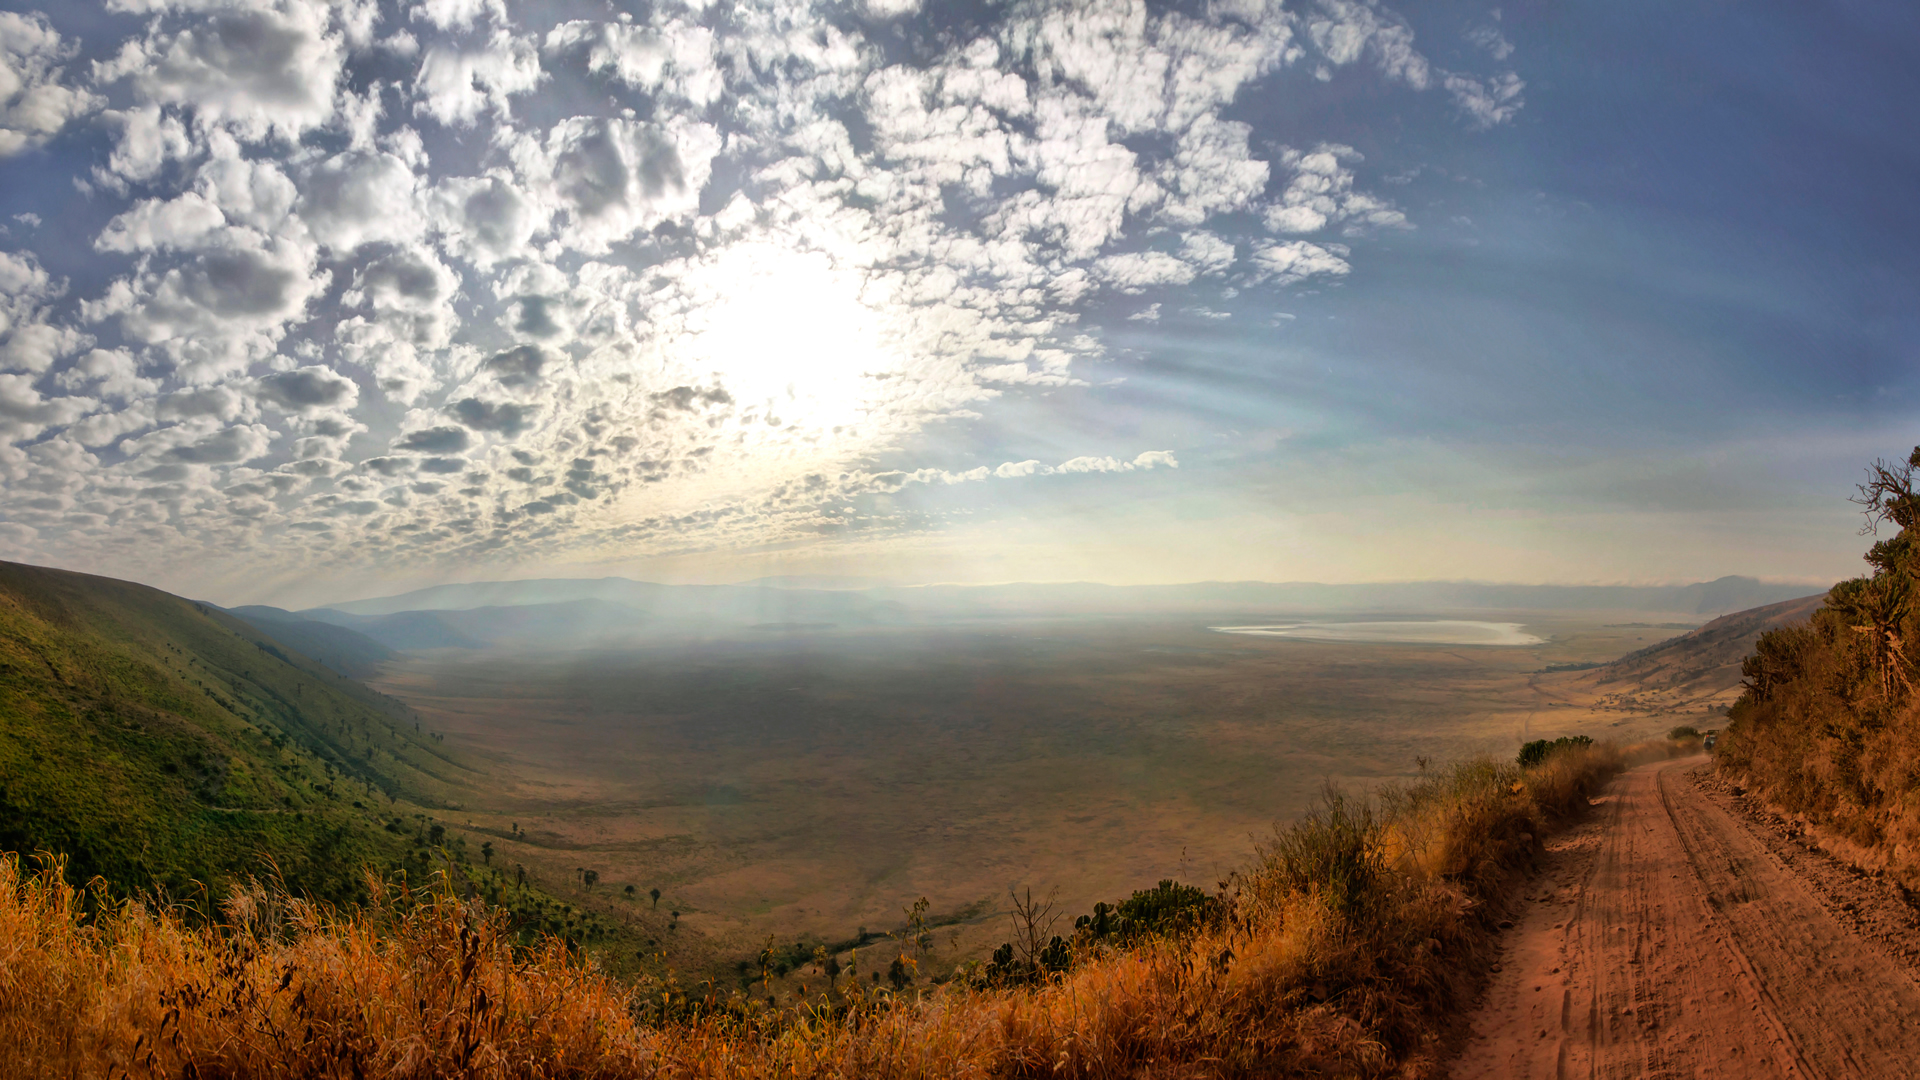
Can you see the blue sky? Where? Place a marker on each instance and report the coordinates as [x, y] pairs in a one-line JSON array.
[[306, 299]]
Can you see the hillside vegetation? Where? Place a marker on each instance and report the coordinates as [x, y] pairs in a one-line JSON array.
[[1829, 724], [158, 743], [1345, 948]]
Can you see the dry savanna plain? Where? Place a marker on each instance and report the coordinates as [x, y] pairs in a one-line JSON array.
[[807, 785]]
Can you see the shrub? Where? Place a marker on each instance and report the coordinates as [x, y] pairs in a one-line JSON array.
[[1539, 750], [1333, 853]]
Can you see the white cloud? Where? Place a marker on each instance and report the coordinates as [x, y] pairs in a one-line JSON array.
[[1345, 30], [613, 176], [1211, 172], [188, 444], [671, 56], [307, 389], [158, 224], [1138, 271], [34, 103], [456, 85], [25, 414], [261, 71], [410, 294], [360, 198], [1487, 103], [1010, 470], [1206, 252], [1491, 39], [1297, 260], [1320, 193], [108, 373], [147, 140], [483, 219], [29, 342], [221, 309], [458, 14]]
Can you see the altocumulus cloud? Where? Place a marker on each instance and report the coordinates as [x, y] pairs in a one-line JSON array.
[[696, 275]]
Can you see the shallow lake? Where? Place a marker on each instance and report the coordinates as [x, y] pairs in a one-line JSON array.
[[1427, 632]]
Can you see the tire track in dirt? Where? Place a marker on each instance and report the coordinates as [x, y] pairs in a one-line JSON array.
[[1664, 939]]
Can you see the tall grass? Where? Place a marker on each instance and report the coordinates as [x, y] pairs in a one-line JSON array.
[[1342, 949]]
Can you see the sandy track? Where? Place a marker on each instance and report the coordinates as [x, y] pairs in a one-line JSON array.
[[1667, 938]]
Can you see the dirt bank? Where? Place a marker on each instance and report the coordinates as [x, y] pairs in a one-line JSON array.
[[1680, 933]]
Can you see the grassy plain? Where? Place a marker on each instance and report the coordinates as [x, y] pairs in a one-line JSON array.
[[803, 786]]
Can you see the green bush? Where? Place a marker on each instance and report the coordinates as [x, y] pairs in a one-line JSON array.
[[1540, 750]]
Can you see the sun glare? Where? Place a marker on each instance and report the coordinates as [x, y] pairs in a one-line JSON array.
[[788, 336]]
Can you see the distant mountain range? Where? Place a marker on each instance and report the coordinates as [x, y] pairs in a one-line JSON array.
[[564, 613]]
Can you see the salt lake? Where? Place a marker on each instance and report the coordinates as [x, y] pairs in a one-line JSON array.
[[1428, 632]]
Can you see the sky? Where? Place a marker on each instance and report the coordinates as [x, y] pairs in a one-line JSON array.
[[305, 300]]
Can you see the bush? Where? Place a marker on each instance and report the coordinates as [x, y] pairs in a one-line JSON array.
[[1539, 750], [1683, 733], [1334, 853]]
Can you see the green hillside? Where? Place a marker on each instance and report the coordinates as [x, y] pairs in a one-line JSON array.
[[159, 742]]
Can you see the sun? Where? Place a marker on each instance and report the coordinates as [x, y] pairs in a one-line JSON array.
[[788, 335]]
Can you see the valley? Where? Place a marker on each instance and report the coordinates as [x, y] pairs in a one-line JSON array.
[[810, 785]]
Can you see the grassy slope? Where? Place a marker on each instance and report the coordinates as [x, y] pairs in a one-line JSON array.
[[1707, 658], [155, 741]]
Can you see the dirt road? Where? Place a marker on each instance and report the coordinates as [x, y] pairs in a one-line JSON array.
[[1677, 934]]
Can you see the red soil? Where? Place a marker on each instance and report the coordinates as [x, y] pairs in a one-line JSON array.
[[1680, 933]]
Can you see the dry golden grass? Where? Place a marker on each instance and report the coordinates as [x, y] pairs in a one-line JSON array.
[[1344, 949]]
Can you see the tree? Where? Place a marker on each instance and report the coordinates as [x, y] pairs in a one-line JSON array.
[[655, 893], [1879, 608], [1888, 495], [486, 852], [629, 891], [590, 877]]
